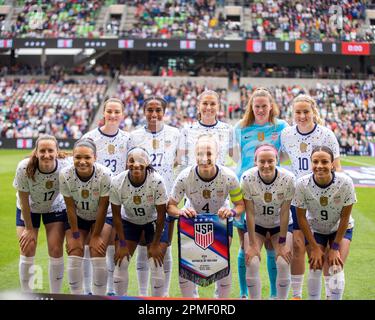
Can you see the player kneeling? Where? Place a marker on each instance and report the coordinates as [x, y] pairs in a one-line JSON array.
[[141, 193], [268, 191]]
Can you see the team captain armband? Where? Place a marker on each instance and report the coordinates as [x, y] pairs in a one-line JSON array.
[[236, 194]]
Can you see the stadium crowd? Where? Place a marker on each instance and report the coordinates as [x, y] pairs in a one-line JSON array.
[[64, 109], [196, 19], [349, 110]]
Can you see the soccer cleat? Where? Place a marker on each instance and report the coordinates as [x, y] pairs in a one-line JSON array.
[[111, 294], [296, 298]]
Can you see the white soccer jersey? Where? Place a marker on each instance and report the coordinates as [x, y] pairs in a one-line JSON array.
[[138, 202], [268, 197], [44, 192], [86, 194], [162, 147], [222, 131], [111, 149], [299, 146], [324, 205], [205, 196]]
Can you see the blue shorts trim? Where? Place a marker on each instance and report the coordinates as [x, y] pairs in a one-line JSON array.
[[82, 224], [294, 216], [325, 239], [51, 217], [134, 231], [230, 228], [170, 218], [263, 231], [165, 235], [109, 220]]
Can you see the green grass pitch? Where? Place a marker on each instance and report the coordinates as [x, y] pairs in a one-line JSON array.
[[360, 281]]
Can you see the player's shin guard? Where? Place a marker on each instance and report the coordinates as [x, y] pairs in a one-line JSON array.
[[110, 267], [253, 278], [272, 271], [56, 274], [87, 271], [121, 278], [283, 278], [142, 270], [223, 286], [75, 274], [297, 284], [24, 266], [157, 278], [315, 284], [187, 288], [241, 265], [99, 280], [337, 285], [167, 265]]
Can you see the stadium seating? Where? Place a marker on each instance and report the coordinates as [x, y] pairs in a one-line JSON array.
[[64, 109]]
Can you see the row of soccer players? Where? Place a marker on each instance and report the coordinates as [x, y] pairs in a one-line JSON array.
[[258, 125]]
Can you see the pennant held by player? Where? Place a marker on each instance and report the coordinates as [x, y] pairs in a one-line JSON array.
[[203, 247]]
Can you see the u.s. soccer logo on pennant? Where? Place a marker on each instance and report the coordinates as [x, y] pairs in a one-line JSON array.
[[204, 234], [203, 248]]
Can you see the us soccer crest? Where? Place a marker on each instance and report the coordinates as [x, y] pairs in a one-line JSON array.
[[111, 149], [204, 234], [303, 147], [49, 184], [268, 197], [260, 136], [137, 199], [85, 193], [155, 143], [324, 201], [203, 246], [206, 194]]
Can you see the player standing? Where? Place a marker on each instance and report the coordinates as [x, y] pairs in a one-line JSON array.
[[161, 141], [258, 125], [298, 141], [112, 145]]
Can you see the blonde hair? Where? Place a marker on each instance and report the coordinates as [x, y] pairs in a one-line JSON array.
[[314, 107], [33, 163], [249, 117], [207, 93], [210, 138]]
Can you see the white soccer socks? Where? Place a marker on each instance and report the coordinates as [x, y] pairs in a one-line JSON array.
[[167, 265], [253, 279], [157, 278], [110, 254], [24, 266], [87, 271], [315, 284], [283, 278], [142, 267], [56, 274], [121, 278], [99, 270], [75, 274], [297, 284]]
